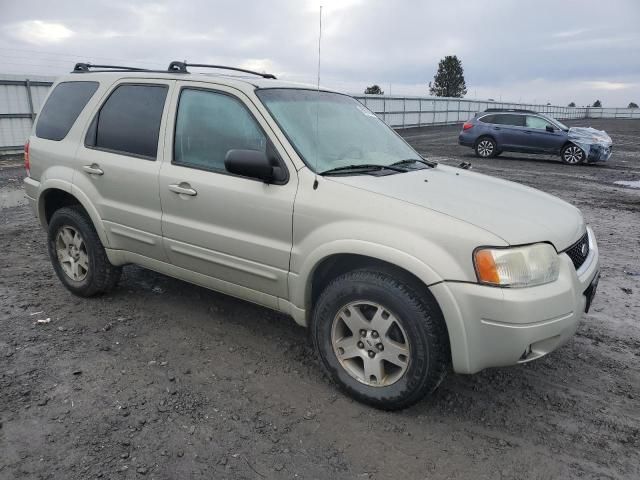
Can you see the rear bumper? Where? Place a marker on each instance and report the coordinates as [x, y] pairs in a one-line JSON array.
[[504, 326], [466, 140]]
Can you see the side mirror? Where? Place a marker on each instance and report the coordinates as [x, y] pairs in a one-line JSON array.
[[550, 129], [250, 163]]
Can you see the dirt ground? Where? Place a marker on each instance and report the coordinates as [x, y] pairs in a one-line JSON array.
[[165, 380]]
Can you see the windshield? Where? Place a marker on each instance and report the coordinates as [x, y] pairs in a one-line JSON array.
[[347, 133], [557, 122]]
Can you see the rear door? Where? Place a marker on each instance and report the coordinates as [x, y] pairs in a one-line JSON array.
[[118, 162], [509, 130], [231, 228], [539, 138]]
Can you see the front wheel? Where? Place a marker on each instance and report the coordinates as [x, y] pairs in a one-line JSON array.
[[380, 340], [486, 147], [572, 154]]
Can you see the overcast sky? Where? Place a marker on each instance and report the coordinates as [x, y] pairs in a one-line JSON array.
[[547, 51]]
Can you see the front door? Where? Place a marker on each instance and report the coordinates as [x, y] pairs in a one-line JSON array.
[[540, 139], [227, 227]]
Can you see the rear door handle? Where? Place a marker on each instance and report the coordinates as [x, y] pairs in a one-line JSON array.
[[183, 188], [528, 131], [496, 128], [93, 169]]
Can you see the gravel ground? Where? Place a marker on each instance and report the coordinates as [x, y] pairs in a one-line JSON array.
[[162, 379]]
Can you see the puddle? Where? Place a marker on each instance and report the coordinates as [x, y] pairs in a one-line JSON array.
[[12, 198], [628, 183]]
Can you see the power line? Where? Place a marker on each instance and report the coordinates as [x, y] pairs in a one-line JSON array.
[[79, 56]]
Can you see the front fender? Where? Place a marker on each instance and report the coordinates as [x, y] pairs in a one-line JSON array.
[[301, 290]]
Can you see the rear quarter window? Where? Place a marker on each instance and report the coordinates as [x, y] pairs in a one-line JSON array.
[[62, 109], [488, 119]]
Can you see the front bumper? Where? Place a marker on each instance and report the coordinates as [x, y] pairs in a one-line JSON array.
[[496, 327], [599, 153]]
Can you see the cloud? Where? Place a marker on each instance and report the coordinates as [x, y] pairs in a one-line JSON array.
[[514, 48], [38, 32]]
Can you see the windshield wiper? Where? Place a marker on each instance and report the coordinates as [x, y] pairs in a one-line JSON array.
[[424, 161], [362, 168]]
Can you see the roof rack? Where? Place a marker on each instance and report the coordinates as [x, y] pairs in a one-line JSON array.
[[181, 67], [518, 110], [87, 67]]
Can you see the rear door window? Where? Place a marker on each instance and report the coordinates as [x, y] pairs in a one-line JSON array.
[[129, 121], [508, 119], [63, 108]]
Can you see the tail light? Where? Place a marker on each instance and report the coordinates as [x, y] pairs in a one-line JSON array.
[[467, 126], [27, 162]]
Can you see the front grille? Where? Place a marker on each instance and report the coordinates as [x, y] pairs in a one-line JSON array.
[[579, 251]]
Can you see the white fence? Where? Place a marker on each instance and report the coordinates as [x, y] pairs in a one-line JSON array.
[[20, 101], [408, 112], [21, 98]]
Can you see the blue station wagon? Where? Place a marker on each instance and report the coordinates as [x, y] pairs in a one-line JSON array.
[[495, 131]]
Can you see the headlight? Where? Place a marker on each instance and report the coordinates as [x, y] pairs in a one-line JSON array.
[[517, 267]]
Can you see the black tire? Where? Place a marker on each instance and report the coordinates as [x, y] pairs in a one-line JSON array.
[[486, 147], [429, 355], [101, 276], [572, 154]]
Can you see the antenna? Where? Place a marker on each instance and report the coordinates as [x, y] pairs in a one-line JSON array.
[[315, 180]]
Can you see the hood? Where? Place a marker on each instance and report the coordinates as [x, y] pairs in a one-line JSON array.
[[589, 136], [517, 214]]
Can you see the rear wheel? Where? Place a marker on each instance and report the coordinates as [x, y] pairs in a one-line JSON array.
[[381, 341], [77, 255], [572, 154], [486, 147]]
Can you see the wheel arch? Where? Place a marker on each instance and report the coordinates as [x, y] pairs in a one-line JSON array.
[[486, 135], [336, 264], [55, 197]]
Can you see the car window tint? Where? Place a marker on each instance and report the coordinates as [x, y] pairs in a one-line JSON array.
[[129, 121], [488, 119], [537, 122], [62, 109], [509, 119], [208, 125]]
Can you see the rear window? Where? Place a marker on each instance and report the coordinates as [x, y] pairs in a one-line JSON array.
[[129, 121], [62, 109]]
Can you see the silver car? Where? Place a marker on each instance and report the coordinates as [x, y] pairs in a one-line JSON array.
[[303, 201]]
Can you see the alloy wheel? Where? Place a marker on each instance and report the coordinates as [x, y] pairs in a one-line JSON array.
[[72, 253], [370, 343], [573, 154], [485, 148]]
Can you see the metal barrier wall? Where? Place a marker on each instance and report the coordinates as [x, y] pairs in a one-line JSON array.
[[20, 101], [407, 112], [21, 98]]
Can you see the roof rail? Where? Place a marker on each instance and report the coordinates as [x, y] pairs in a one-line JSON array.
[[181, 67], [518, 110], [87, 67]]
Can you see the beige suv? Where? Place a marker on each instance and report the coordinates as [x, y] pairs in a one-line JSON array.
[[302, 200]]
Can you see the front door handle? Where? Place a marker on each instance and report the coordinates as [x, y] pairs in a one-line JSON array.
[[183, 188], [496, 128], [93, 169]]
